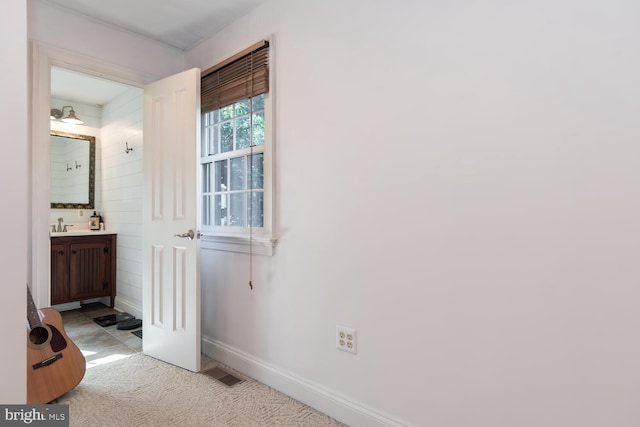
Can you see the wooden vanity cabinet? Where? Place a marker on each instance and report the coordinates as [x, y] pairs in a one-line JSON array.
[[83, 267]]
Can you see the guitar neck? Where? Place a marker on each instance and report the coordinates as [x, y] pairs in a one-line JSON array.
[[32, 312]]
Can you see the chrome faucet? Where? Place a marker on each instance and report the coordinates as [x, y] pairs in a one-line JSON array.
[[60, 224]]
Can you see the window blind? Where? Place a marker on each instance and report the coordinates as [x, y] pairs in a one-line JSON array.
[[244, 75]]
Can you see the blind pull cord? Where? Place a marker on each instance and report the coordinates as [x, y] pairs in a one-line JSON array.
[[251, 181]]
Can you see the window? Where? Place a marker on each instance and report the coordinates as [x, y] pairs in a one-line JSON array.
[[235, 153], [233, 165]]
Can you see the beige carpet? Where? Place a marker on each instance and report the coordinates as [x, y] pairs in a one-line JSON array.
[[142, 391]]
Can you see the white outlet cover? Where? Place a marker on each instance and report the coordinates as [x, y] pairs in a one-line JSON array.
[[346, 339]]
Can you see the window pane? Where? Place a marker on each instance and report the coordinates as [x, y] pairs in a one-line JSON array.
[[215, 139], [242, 107], [256, 209], [256, 166], [237, 173], [258, 102], [206, 178], [226, 137], [258, 128], [232, 185], [206, 148], [226, 113], [221, 176], [242, 132], [206, 210], [220, 209], [236, 213]]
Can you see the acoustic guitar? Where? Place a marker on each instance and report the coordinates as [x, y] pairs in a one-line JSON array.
[[55, 364]]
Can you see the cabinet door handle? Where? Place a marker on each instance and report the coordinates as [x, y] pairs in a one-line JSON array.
[[60, 252]]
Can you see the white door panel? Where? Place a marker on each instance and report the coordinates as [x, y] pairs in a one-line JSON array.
[[171, 273]]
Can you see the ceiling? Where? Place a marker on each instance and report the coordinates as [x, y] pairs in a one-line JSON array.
[[178, 23], [72, 86]]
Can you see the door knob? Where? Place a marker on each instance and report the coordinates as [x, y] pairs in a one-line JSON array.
[[188, 235]]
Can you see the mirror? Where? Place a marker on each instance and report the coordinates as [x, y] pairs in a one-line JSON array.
[[73, 170]]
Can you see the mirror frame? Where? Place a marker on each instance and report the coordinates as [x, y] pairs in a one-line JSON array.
[[92, 171]]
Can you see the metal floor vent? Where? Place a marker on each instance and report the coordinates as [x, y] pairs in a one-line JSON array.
[[223, 376]]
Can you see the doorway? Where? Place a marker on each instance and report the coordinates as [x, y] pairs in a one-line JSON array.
[[168, 131], [112, 112], [43, 59]]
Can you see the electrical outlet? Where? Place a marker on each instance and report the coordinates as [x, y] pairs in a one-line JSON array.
[[80, 213], [346, 339]]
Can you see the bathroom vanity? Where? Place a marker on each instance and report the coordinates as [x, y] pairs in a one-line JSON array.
[[83, 266]]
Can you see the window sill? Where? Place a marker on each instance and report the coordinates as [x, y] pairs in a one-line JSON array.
[[242, 244]]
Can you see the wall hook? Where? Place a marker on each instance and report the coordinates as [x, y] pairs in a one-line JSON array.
[[77, 165], [68, 168], [128, 149]]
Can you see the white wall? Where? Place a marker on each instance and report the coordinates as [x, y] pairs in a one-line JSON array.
[[121, 195], [57, 27], [458, 182], [14, 185]]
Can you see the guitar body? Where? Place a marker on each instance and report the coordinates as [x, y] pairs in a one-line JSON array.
[[55, 364]]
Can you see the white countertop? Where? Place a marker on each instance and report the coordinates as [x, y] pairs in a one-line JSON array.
[[83, 232]]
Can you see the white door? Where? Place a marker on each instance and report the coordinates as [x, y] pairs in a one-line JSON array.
[[171, 272]]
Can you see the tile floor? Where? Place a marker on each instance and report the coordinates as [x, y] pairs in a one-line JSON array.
[[98, 344]]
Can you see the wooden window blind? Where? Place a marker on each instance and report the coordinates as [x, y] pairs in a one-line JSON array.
[[244, 75]]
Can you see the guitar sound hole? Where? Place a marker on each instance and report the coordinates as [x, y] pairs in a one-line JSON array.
[[38, 335]]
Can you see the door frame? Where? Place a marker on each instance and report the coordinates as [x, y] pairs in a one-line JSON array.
[[42, 58]]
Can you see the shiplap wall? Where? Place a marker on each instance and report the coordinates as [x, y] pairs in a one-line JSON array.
[[120, 197]]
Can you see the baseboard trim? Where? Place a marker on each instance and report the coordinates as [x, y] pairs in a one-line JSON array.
[[123, 304], [336, 406]]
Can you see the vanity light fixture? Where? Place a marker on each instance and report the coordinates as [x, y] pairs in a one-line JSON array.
[[69, 118]]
